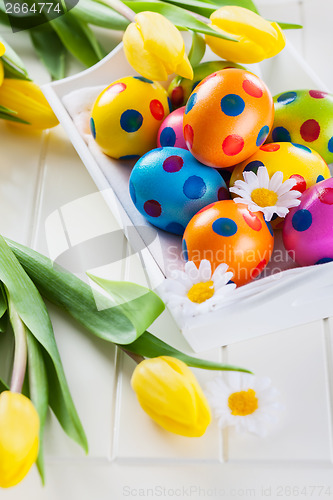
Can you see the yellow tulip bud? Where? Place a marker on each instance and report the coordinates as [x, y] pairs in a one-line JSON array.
[[170, 394], [19, 428], [2, 49], [258, 39], [29, 102], [155, 48]]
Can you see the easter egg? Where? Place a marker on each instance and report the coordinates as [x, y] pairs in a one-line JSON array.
[[308, 228], [227, 232], [305, 117], [168, 186], [180, 88], [126, 117], [295, 161], [171, 130], [227, 117]]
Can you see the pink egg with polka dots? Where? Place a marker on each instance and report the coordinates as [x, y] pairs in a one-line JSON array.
[[227, 118], [170, 133], [308, 228]]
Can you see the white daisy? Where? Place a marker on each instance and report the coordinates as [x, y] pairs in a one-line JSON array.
[[244, 401], [197, 291], [262, 194]]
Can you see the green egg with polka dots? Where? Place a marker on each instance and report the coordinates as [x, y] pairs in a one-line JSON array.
[[304, 117]]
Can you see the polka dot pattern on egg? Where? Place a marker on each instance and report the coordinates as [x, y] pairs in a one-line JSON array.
[[227, 232], [131, 120], [194, 187], [153, 208], [307, 231], [302, 220], [230, 114], [127, 115], [168, 186], [224, 227], [304, 117], [232, 105], [280, 134]]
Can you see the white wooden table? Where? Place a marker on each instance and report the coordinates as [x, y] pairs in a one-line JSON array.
[[44, 188]]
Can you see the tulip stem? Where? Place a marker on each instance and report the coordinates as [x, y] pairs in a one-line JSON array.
[[121, 8], [21, 350]]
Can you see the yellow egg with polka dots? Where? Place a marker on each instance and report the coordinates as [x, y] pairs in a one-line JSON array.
[[127, 115]]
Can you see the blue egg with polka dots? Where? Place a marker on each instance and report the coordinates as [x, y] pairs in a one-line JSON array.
[[169, 186]]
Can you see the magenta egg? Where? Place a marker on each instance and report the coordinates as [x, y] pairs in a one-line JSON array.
[[170, 133], [308, 228]]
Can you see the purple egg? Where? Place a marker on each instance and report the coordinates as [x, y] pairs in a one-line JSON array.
[[308, 228], [170, 133]]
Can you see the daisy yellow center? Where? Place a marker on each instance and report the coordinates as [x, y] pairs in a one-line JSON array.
[[200, 292], [264, 197], [243, 403]]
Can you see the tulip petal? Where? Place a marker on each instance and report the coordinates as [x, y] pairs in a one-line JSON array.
[[140, 59], [169, 393], [161, 38], [19, 428], [184, 68], [257, 38], [2, 49], [29, 102]]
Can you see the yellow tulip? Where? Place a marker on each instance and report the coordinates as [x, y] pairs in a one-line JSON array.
[[29, 102], [19, 428], [258, 39], [2, 49], [170, 394], [155, 48]]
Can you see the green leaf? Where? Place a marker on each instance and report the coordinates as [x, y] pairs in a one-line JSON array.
[[179, 17], [141, 305], [32, 311], [76, 297], [78, 39], [54, 285], [207, 7], [38, 391], [150, 346], [50, 50], [3, 302], [12, 118], [100, 15], [198, 49], [13, 60], [3, 323], [289, 26], [3, 386]]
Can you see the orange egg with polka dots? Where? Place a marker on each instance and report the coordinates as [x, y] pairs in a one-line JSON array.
[[227, 232], [227, 117]]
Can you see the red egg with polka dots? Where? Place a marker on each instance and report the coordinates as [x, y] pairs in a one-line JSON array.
[[227, 232], [308, 228], [126, 117], [228, 117]]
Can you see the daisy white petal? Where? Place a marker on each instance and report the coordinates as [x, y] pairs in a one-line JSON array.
[[244, 401], [263, 177], [276, 181], [205, 270], [250, 178], [197, 291]]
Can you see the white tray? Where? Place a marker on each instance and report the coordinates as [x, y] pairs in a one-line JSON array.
[[289, 298]]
